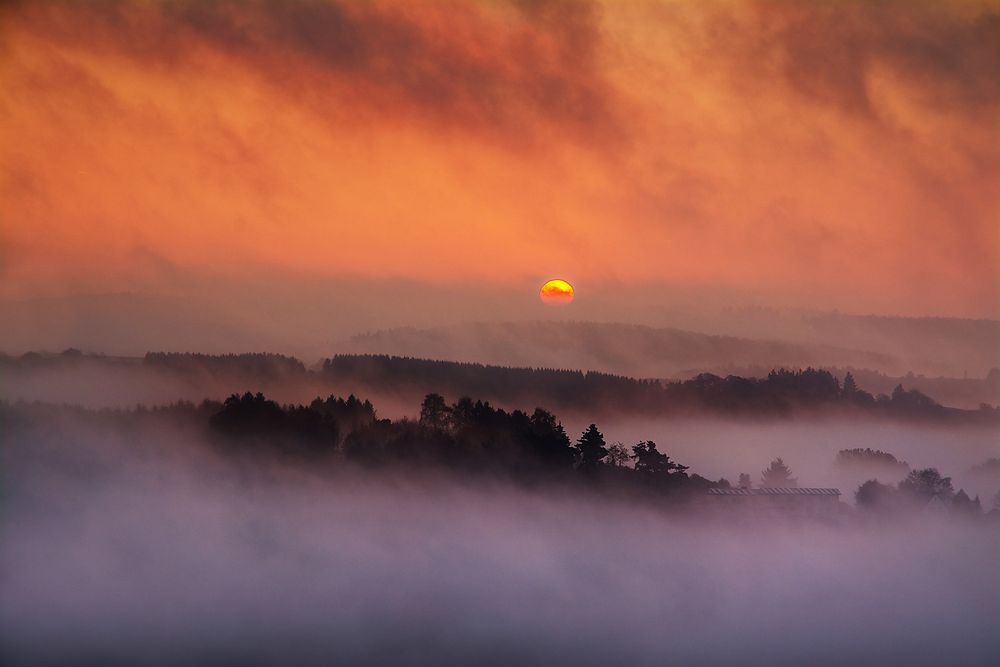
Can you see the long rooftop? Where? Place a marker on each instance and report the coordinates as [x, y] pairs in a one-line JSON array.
[[775, 491]]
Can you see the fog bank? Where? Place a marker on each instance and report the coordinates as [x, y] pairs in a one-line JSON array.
[[141, 545]]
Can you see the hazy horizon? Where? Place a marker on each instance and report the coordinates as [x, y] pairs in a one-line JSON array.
[[318, 318]]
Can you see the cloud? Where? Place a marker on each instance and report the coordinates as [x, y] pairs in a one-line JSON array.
[[828, 52], [499, 68], [838, 155]]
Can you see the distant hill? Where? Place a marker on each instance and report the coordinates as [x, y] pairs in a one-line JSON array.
[[117, 381], [624, 349], [931, 346], [969, 392], [157, 378], [782, 392]]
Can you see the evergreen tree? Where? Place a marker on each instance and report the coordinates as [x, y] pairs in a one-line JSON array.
[[551, 444], [777, 475], [963, 505], [591, 448], [850, 387], [651, 462]]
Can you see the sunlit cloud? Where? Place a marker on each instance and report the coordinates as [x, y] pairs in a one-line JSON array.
[[837, 156]]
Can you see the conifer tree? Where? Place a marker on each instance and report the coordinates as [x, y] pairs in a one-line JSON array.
[[777, 475], [591, 448]]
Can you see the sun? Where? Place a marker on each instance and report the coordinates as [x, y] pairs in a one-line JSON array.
[[556, 292]]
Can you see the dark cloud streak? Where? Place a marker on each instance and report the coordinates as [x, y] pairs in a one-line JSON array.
[[825, 52], [513, 71]]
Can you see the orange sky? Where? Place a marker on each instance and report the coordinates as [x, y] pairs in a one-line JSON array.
[[836, 155]]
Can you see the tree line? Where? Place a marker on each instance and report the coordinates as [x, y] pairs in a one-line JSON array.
[[925, 489], [473, 436], [783, 392], [467, 435]]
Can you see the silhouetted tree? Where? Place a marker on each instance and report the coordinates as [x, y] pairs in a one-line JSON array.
[[591, 448], [402, 442], [962, 505], [913, 401], [808, 386], [777, 475], [350, 414], [871, 458], [922, 485], [744, 481], [434, 412], [462, 414], [248, 415], [618, 455], [293, 429], [874, 496], [649, 461], [549, 440], [850, 387]]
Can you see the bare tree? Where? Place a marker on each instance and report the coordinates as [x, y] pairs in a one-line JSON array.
[[618, 455]]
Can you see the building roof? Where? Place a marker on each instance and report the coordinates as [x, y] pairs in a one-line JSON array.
[[775, 491]]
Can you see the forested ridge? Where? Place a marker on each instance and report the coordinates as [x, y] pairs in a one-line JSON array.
[[782, 392]]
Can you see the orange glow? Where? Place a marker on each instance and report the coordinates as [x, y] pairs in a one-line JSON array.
[[707, 144], [556, 292]]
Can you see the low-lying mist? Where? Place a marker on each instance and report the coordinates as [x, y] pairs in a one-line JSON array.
[[137, 543], [725, 447]]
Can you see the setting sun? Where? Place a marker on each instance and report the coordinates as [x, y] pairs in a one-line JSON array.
[[556, 292]]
